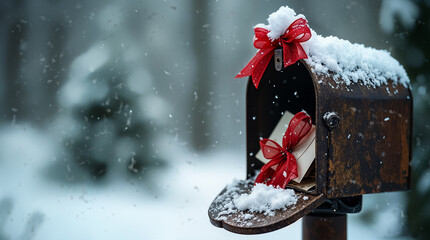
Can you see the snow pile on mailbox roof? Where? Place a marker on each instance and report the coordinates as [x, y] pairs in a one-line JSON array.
[[350, 63]]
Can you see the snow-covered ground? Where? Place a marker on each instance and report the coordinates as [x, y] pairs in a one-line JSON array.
[[34, 207]]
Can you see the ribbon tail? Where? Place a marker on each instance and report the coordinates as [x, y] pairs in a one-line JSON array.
[[273, 180], [292, 53], [266, 171], [257, 65], [300, 51], [285, 173], [264, 175]]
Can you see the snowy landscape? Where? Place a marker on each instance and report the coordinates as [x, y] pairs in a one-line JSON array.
[[32, 207], [123, 120]]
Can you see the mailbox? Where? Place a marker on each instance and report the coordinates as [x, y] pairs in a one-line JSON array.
[[363, 136], [363, 132]]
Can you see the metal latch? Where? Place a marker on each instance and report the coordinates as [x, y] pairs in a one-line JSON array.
[[278, 59]]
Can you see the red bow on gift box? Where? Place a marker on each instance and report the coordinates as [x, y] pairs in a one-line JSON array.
[[299, 126], [290, 41]]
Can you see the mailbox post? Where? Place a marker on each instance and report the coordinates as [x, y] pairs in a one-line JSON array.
[[329, 226]]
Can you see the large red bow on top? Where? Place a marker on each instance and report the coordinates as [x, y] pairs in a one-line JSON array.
[[286, 170], [290, 41]]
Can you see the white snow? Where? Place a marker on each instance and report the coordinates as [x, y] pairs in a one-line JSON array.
[[266, 199], [406, 11], [279, 22], [353, 63], [80, 87], [423, 184], [349, 63], [261, 199]]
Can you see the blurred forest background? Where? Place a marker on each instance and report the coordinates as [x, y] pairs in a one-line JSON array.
[[107, 106]]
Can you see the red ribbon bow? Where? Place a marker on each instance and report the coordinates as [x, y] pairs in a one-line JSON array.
[[286, 170], [290, 41]]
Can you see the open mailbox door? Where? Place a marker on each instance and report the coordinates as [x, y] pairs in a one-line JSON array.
[[256, 223]]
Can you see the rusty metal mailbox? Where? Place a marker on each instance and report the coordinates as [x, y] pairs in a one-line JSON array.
[[363, 134], [363, 139]]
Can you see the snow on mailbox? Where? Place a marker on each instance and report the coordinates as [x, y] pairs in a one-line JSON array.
[[326, 119]]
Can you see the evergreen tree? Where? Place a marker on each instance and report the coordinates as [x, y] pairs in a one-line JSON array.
[[105, 131]]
